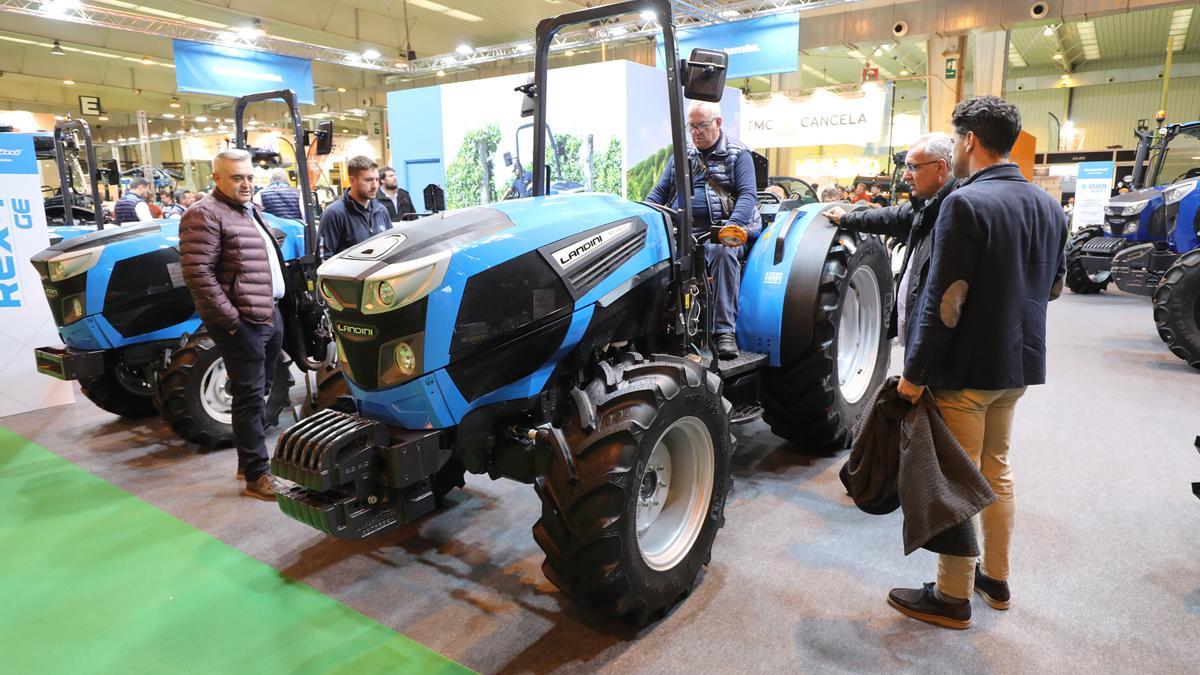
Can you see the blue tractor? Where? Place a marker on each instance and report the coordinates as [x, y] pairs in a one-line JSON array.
[[564, 341], [1177, 295], [132, 338], [1134, 228]]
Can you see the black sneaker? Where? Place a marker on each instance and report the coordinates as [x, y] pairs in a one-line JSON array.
[[726, 344], [923, 604], [994, 593]]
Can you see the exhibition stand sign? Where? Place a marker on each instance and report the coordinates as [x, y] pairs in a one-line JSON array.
[[230, 71], [823, 118], [1093, 187], [25, 319], [610, 124], [769, 44]]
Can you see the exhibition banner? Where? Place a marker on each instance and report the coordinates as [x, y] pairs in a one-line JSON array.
[[1093, 187], [769, 44], [824, 118], [25, 320], [229, 71]]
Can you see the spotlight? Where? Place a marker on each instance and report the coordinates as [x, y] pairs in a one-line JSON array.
[[1048, 31], [465, 50], [57, 49], [68, 82], [341, 90], [648, 15], [174, 102], [441, 73], [371, 54]]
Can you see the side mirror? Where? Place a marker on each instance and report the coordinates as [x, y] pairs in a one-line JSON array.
[[528, 100], [761, 170], [508, 159], [324, 138], [703, 75], [111, 175]]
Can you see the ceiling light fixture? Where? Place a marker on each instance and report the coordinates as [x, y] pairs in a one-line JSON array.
[[441, 73], [465, 50], [371, 54], [254, 30], [174, 102], [68, 82], [648, 15], [59, 7], [618, 31], [569, 52], [903, 73], [730, 14], [1048, 31], [103, 117], [168, 116], [57, 49], [341, 90], [201, 118], [146, 61], [1058, 56]]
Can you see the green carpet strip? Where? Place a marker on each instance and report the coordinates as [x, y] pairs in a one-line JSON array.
[[94, 580]]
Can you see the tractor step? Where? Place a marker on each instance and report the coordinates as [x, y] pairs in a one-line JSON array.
[[744, 363], [745, 413]]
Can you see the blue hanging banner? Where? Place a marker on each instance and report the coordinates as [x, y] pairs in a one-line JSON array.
[[769, 44], [229, 71]]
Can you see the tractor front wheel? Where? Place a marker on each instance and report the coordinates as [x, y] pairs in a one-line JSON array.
[[1078, 278], [121, 390], [636, 487], [1177, 308]]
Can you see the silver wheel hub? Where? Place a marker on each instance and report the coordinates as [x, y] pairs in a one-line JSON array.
[[860, 328], [674, 492], [215, 396]]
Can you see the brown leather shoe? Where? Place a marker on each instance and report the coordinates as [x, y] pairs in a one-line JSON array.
[[923, 604], [994, 593], [260, 488]]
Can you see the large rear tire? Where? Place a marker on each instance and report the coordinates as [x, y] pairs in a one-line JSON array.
[[193, 394], [1078, 279], [635, 491], [121, 391], [815, 400], [1177, 308]]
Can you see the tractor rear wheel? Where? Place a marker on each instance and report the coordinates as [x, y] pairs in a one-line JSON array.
[[121, 390], [194, 397], [1078, 278], [1177, 308], [815, 400], [636, 487]]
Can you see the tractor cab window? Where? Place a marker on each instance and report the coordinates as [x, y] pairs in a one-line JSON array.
[[1180, 160]]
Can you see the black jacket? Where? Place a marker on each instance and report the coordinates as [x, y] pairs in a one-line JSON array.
[[914, 224], [904, 456], [405, 204], [997, 261], [346, 223]]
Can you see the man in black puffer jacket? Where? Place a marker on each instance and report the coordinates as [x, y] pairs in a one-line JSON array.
[[927, 169]]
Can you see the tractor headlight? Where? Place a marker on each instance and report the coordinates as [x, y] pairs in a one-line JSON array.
[[73, 263], [403, 283], [406, 359], [1131, 208], [73, 308], [1178, 191], [1130, 228]]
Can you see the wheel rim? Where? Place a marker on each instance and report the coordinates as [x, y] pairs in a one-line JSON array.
[[859, 331], [674, 492], [135, 380], [215, 397]]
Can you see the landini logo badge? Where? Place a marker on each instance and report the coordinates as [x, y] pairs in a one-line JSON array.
[[356, 331]]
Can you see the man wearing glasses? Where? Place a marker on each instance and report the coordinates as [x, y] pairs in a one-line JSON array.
[[724, 189], [927, 169]]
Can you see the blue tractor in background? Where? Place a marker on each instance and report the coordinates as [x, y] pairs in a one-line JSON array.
[[564, 341], [132, 337], [1134, 226]]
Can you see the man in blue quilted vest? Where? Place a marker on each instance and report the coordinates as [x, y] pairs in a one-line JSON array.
[[723, 189]]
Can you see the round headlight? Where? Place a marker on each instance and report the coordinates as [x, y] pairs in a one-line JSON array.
[[325, 290], [1131, 228], [387, 294], [406, 359]]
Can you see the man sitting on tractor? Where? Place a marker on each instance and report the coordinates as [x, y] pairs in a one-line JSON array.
[[724, 189]]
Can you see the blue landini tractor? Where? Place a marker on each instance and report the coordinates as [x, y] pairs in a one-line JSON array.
[[1177, 295], [564, 341], [131, 334]]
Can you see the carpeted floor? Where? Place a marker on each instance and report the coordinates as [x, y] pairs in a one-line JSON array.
[[1106, 560]]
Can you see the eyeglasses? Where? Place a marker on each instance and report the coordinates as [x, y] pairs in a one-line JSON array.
[[912, 168], [700, 125]]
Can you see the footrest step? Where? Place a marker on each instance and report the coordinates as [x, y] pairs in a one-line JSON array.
[[745, 414]]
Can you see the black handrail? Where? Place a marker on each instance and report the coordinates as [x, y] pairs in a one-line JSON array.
[[64, 179]]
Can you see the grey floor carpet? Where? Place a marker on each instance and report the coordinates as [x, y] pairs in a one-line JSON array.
[[1106, 560]]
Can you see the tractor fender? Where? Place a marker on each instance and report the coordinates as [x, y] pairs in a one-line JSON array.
[[780, 283]]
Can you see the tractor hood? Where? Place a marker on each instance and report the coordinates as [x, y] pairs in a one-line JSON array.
[[459, 284], [105, 237], [1134, 202]]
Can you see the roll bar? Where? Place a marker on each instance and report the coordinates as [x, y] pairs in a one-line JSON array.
[[63, 175], [288, 97]]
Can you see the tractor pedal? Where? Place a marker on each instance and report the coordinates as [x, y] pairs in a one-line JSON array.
[[745, 413]]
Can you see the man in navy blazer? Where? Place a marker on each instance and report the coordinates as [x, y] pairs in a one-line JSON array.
[[980, 337]]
